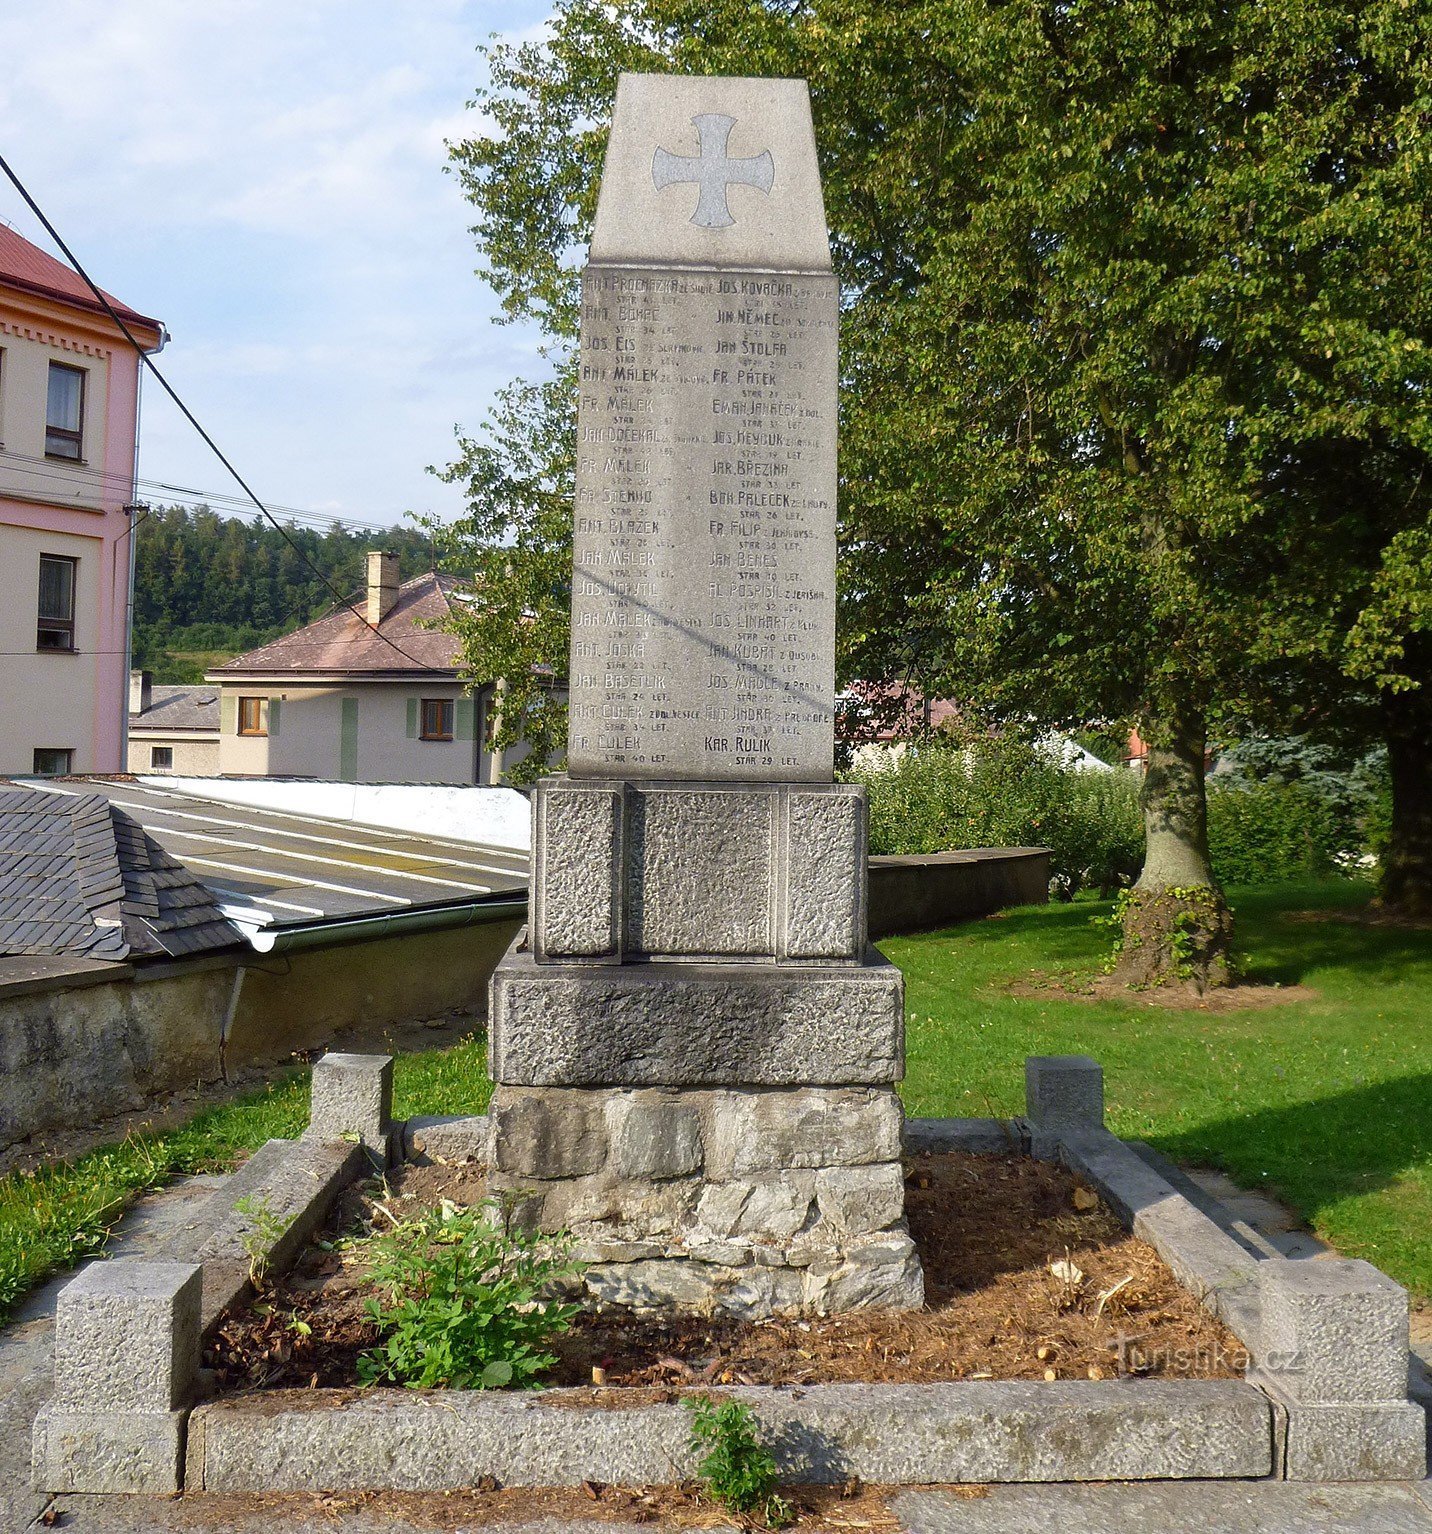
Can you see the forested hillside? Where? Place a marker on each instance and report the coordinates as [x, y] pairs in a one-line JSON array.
[[208, 587]]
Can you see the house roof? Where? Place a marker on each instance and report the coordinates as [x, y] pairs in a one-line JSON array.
[[79, 877], [341, 643], [179, 708], [26, 266]]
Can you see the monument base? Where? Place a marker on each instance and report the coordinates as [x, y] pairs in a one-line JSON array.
[[755, 1201]]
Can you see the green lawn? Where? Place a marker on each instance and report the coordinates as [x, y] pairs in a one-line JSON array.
[[51, 1219], [1327, 1102]]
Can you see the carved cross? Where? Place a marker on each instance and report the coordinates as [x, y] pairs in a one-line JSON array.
[[712, 170]]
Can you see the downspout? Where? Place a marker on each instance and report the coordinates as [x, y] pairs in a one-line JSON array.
[[232, 1011], [133, 541]]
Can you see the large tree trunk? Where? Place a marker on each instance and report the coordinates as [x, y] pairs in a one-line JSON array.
[[1407, 862], [1177, 929]]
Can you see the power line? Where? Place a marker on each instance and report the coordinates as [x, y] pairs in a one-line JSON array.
[[147, 361]]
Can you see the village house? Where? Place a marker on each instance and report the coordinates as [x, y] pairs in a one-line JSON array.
[[69, 406], [173, 728], [375, 701]]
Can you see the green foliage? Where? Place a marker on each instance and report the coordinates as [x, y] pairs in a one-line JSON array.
[[1185, 916], [1008, 790], [462, 1300], [1134, 335], [1264, 833], [208, 587], [737, 1469], [265, 1228]]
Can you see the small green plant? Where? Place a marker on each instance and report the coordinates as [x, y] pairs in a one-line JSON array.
[[462, 1300], [738, 1470], [265, 1228]]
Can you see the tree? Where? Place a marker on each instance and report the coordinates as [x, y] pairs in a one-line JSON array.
[[1109, 287]]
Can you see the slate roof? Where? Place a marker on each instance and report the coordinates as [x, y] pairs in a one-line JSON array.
[[79, 877], [179, 708], [342, 643], [26, 266]]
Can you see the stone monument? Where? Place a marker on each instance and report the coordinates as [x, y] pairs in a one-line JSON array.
[[693, 1045]]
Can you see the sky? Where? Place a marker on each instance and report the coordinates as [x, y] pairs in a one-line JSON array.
[[266, 178]]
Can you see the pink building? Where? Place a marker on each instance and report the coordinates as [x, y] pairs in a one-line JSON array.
[[69, 405]]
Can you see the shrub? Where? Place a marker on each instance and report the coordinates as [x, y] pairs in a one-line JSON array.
[[462, 1300], [738, 1470], [1008, 791], [1264, 832]]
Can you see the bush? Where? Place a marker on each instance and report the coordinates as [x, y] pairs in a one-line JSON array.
[[462, 1301], [1265, 832], [1008, 791]]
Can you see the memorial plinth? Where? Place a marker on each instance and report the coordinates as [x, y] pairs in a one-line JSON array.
[[693, 1045]]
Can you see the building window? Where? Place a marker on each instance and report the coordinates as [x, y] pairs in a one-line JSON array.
[[51, 762], [65, 412], [55, 629], [437, 719], [161, 758], [253, 716]]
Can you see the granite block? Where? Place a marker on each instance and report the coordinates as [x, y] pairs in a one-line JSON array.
[[139, 1452], [1382, 1441], [352, 1099], [577, 861], [1064, 1092]]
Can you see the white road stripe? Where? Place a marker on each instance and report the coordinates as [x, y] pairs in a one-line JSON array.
[[323, 841], [318, 884]]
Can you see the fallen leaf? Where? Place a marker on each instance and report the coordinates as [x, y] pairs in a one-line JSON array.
[[1084, 1200]]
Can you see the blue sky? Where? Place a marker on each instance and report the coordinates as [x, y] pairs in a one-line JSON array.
[[266, 178]]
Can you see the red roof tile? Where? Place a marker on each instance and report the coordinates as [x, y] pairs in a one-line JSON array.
[[23, 265], [341, 641]]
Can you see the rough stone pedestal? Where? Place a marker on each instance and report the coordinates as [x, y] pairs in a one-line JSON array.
[[713, 1118]]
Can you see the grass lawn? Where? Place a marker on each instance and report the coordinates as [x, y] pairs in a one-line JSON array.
[[1326, 1102], [51, 1219]]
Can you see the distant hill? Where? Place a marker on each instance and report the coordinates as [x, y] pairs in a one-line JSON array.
[[207, 588]]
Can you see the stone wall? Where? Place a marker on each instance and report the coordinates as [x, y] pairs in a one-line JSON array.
[[936, 890], [81, 1046]]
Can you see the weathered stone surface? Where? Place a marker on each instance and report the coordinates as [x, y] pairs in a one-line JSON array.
[[122, 1450], [535, 1138], [981, 1137], [127, 1336], [901, 1435], [754, 1131], [880, 1272], [698, 871], [577, 860], [702, 867], [824, 863], [352, 1098], [861, 1199], [654, 1137], [448, 1139], [563, 1025], [1334, 1330], [1064, 1092], [1386, 1441], [1173, 1507]]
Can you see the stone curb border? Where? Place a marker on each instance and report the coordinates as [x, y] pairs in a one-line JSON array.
[[1326, 1397]]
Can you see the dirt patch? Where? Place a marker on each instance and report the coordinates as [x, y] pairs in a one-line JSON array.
[[1028, 1276], [1243, 996], [852, 1506], [1373, 915]]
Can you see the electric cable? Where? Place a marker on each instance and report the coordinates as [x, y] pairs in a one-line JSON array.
[[147, 361]]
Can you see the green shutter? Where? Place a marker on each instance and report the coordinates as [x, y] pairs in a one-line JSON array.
[[465, 718], [412, 718], [273, 717], [348, 750], [228, 714]]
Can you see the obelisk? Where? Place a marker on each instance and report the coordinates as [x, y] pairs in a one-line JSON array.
[[693, 1045]]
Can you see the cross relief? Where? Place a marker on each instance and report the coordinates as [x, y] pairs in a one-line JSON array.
[[712, 170]]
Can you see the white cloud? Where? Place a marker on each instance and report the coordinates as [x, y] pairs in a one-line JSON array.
[[267, 178]]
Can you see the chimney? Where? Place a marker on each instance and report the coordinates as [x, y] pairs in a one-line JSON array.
[[382, 586], [141, 691]]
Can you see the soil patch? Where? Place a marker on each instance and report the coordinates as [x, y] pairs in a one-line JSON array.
[[1028, 1276], [1244, 996]]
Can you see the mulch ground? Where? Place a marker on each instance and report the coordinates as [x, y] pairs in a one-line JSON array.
[[1028, 1276]]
